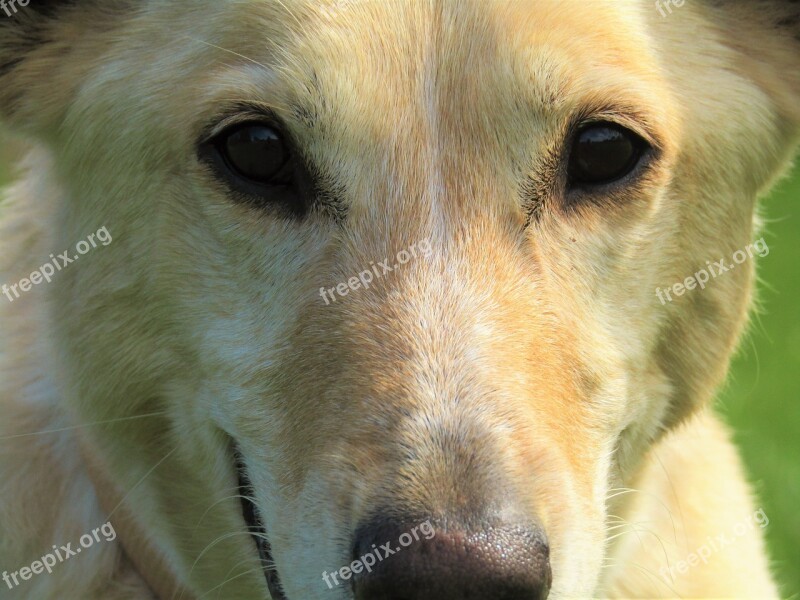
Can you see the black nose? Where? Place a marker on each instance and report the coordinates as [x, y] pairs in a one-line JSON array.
[[427, 562]]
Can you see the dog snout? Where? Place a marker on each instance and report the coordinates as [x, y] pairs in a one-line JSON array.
[[454, 563]]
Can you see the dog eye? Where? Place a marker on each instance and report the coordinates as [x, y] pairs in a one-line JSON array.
[[604, 153], [256, 152], [255, 160]]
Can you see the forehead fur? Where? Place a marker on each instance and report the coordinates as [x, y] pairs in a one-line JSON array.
[[517, 62]]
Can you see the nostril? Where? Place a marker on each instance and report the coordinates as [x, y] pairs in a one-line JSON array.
[[501, 562]]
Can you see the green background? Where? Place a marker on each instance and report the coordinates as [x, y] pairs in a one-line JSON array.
[[761, 400], [762, 397]]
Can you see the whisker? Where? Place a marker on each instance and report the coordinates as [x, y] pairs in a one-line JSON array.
[[291, 14], [210, 545], [637, 528], [654, 497], [228, 578], [220, 501], [73, 427], [227, 581], [649, 573], [198, 40], [138, 483]]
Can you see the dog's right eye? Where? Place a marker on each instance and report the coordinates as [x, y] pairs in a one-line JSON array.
[[256, 152], [255, 160]]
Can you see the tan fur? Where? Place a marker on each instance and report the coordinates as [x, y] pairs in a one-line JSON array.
[[527, 357]]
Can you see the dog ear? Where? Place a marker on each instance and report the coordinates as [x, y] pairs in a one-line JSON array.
[[766, 37], [38, 40]]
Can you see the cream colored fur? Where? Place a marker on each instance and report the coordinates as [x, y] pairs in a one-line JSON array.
[[573, 382]]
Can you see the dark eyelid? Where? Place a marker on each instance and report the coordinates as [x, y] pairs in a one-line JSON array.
[[240, 114], [623, 116], [243, 113]]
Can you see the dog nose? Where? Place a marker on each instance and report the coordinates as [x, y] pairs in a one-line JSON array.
[[432, 563]]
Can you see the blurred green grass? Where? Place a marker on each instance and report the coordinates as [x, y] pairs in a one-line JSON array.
[[762, 398]]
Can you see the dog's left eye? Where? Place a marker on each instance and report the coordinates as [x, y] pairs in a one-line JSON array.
[[603, 153]]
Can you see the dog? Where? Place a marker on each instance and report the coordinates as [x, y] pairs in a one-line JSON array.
[[356, 299]]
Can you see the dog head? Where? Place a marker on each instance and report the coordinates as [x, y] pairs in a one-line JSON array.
[[393, 267]]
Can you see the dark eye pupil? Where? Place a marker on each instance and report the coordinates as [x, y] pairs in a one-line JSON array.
[[604, 153], [258, 153]]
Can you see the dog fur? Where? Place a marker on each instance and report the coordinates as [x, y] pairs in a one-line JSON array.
[[526, 354]]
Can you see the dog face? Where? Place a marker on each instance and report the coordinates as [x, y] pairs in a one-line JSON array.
[[398, 260]]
